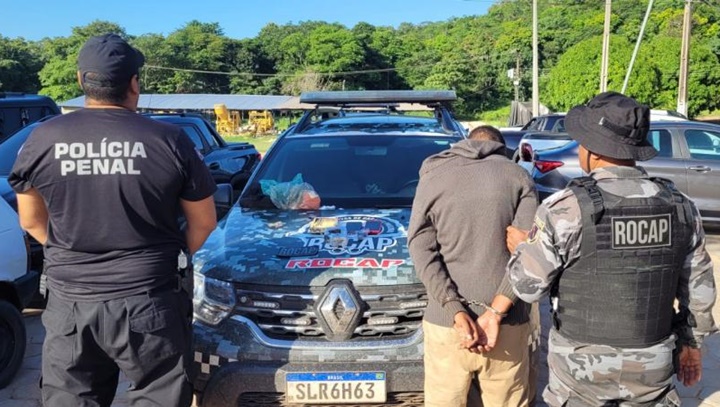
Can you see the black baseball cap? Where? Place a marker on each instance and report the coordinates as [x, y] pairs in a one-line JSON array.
[[111, 58]]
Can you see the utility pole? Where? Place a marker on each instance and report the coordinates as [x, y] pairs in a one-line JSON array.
[[536, 64], [637, 46], [684, 58], [516, 80], [605, 47]]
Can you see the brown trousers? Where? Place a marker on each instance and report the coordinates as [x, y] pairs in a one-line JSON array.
[[503, 373]]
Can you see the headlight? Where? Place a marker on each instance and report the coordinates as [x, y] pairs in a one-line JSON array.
[[212, 299]]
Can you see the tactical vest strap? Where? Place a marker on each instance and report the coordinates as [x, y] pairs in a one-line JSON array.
[[682, 204], [592, 208], [592, 199]]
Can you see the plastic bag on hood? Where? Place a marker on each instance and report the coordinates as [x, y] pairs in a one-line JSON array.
[[294, 194]]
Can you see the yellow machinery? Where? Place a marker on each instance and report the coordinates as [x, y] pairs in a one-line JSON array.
[[226, 122], [261, 121]]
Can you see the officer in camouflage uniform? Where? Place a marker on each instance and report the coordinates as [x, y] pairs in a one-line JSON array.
[[615, 251]]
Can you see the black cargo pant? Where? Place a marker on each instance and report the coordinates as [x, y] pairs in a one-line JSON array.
[[147, 337]]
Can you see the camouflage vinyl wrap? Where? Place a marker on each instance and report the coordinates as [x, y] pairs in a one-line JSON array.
[[245, 246]]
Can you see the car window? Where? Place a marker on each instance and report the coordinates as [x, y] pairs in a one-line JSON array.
[[210, 139], [560, 126], [194, 135], [351, 171], [662, 141], [533, 124], [703, 144]]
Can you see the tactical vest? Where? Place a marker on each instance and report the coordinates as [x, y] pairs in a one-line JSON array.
[[622, 289]]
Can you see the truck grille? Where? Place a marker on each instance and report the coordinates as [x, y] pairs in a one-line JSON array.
[[289, 313]]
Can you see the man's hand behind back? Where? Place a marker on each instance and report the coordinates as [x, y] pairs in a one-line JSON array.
[[470, 334], [489, 323]]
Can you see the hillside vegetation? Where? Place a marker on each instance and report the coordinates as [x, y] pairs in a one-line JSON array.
[[471, 55]]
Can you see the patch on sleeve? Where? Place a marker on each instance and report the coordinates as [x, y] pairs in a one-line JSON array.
[[534, 234]]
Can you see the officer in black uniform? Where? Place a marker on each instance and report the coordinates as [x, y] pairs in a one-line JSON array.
[[102, 188]]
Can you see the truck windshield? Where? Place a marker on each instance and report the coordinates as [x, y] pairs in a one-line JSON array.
[[354, 171]]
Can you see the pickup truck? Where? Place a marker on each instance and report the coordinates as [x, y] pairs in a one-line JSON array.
[[17, 110], [229, 163]]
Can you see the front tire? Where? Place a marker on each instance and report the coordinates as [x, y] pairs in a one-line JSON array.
[[12, 342]]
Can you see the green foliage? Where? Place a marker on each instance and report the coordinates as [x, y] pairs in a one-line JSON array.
[[58, 76], [470, 55], [498, 117], [261, 143], [20, 62]]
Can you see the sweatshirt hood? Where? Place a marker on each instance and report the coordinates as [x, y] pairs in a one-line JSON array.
[[471, 149]]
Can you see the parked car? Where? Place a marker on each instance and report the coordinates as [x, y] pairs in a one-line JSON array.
[[229, 163], [17, 287], [321, 305], [17, 110], [689, 155], [8, 153], [548, 123], [548, 131]]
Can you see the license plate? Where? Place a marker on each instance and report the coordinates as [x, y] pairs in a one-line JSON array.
[[338, 387]]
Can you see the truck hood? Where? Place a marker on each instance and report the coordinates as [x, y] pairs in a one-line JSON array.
[[7, 193], [309, 248]]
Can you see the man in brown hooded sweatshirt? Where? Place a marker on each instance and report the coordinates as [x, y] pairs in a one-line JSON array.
[[466, 198]]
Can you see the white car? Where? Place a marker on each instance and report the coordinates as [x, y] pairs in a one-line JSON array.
[[17, 286]]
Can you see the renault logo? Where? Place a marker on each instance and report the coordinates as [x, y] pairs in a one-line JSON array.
[[339, 310]]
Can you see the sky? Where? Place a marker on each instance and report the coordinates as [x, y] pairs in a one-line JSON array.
[[34, 20]]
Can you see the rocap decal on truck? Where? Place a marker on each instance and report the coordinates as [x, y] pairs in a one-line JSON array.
[[349, 235]]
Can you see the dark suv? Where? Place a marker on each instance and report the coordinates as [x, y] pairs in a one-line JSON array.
[[322, 305], [229, 163], [17, 110]]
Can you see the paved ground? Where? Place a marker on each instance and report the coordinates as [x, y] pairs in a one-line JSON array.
[[24, 391]]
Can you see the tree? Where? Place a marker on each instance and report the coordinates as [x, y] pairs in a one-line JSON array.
[[20, 62], [248, 58], [58, 76], [154, 80], [198, 47], [576, 77]]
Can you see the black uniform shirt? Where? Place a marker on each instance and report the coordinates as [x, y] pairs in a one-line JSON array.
[[112, 181]]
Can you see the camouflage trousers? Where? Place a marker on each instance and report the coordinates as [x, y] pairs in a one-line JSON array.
[[597, 375]]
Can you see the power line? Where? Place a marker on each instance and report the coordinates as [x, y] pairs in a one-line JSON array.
[[341, 73], [166, 68]]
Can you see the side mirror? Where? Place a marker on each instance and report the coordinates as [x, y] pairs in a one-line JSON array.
[[223, 199]]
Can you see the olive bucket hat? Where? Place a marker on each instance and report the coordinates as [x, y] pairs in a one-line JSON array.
[[612, 125]]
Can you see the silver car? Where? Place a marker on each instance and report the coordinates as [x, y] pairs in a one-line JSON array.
[[689, 155]]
